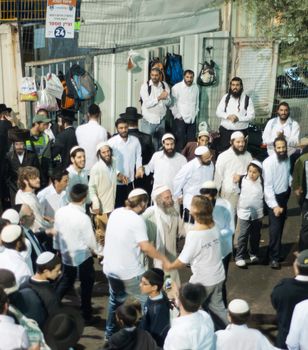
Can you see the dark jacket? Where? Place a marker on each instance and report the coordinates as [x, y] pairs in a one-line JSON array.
[[64, 142], [285, 295], [145, 140], [137, 339], [156, 319]]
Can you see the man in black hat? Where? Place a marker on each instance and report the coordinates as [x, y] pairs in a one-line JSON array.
[[287, 293], [147, 148], [65, 140], [18, 157]]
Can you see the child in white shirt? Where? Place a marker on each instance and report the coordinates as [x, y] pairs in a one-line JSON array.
[[250, 213]]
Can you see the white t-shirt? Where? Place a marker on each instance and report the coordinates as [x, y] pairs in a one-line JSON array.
[[203, 252], [125, 230]]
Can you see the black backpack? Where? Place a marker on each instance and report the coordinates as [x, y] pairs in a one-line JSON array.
[[207, 75], [150, 90]]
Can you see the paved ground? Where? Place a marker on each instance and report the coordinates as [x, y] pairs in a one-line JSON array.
[[253, 284]]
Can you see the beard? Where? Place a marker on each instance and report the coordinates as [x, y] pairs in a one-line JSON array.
[[22, 246], [107, 162], [282, 157], [239, 152], [236, 94], [170, 153]]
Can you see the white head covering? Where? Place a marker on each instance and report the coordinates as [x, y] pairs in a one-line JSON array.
[[11, 215], [257, 163], [10, 233], [209, 185], [201, 150], [158, 190], [136, 192], [238, 306], [237, 135], [44, 258], [101, 145], [74, 149], [167, 136]]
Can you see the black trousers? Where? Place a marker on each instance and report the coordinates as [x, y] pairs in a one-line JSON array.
[[303, 235], [276, 225], [225, 136], [183, 133], [122, 194], [86, 276]]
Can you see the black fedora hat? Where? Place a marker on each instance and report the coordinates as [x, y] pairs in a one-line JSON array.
[[3, 108], [131, 114], [18, 135], [67, 114], [63, 328]]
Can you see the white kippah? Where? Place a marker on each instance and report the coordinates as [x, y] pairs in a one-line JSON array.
[[257, 163], [203, 133], [101, 145], [238, 306], [201, 150], [237, 135], [44, 258], [158, 190], [136, 192], [10, 233], [167, 136], [209, 185], [74, 149], [11, 215]]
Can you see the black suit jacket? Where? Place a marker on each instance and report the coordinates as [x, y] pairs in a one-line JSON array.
[[145, 140], [64, 142]]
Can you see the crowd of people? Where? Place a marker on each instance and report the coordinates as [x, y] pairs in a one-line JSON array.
[[71, 196]]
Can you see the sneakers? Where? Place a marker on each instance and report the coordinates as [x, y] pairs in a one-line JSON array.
[[240, 263], [254, 259]]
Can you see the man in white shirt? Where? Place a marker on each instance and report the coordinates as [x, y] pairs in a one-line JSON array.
[[76, 241], [165, 164], [51, 198], [12, 336], [189, 179], [29, 182], [13, 243], [282, 125], [89, 135], [236, 111], [237, 336], [126, 238], [185, 108], [298, 334], [277, 182], [155, 97], [103, 181], [127, 152], [194, 328]]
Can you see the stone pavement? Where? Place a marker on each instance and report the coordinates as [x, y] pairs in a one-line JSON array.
[[253, 284]]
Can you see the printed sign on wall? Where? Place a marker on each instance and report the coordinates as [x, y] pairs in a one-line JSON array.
[[60, 19]]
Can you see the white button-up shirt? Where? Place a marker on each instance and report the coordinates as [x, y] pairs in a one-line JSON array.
[[13, 336], [153, 110], [189, 180], [185, 102], [75, 236], [277, 178], [127, 154], [74, 178], [12, 260], [164, 168], [298, 334], [89, 135], [290, 129], [229, 164], [50, 200], [236, 337], [244, 116], [193, 331]]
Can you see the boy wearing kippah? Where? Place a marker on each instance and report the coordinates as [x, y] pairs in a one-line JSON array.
[[156, 318]]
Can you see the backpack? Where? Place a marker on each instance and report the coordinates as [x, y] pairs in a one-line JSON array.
[[150, 90], [173, 69], [67, 102], [207, 75], [80, 84], [155, 62]]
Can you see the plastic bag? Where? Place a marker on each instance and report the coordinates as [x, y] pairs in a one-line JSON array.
[[45, 100], [27, 89], [54, 86]]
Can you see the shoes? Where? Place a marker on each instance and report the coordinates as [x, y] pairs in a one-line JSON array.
[[240, 263], [254, 259], [275, 265]]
